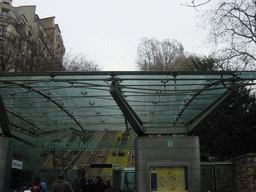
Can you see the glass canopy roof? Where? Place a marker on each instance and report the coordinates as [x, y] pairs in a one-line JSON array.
[[166, 102]]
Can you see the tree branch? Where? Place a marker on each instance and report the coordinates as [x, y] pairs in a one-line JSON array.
[[194, 5]]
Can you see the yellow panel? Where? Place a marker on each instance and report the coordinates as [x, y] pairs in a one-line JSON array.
[[169, 179]]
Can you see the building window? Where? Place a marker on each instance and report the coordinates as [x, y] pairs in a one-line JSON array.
[[2, 29], [4, 13], [1, 44], [29, 33]]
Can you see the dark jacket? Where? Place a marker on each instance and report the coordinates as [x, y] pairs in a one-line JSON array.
[[88, 188], [98, 187], [61, 186], [81, 185]]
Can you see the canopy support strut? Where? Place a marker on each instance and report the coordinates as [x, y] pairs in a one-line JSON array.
[[127, 110], [4, 120]]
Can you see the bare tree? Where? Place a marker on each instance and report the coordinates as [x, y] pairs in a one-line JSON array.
[[25, 47], [8, 45], [233, 30], [195, 3], [147, 54], [19, 54], [155, 55], [79, 62], [171, 50]]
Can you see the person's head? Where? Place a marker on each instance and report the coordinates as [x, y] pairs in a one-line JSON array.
[[107, 183], [61, 177], [90, 181], [98, 179], [38, 179]]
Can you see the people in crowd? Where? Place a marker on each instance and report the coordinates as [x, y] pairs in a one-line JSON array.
[[89, 187], [81, 185], [113, 189], [107, 185], [61, 185], [38, 185], [98, 186]]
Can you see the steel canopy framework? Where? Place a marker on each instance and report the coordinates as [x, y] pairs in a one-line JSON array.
[[37, 106]]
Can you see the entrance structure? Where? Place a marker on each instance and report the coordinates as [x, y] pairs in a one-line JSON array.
[[38, 107]]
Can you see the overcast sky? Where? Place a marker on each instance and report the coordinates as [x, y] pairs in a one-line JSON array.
[[109, 31]]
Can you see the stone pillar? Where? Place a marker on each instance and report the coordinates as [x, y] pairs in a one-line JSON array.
[[5, 163], [245, 173]]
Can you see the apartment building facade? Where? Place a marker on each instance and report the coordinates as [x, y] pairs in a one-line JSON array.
[[28, 43]]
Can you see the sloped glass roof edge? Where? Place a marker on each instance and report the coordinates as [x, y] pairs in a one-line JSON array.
[[176, 73], [159, 92]]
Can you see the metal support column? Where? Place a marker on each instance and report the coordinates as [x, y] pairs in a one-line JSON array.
[[127, 110], [5, 163], [4, 120], [5, 149]]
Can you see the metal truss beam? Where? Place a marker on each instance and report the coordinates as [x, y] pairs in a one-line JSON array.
[[127, 110], [50, 99], [4, 120], [209, 110], [165, 130], [33, 140]]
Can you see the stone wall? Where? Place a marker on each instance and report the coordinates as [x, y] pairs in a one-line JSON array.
[[245, 173], [217, 177]]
